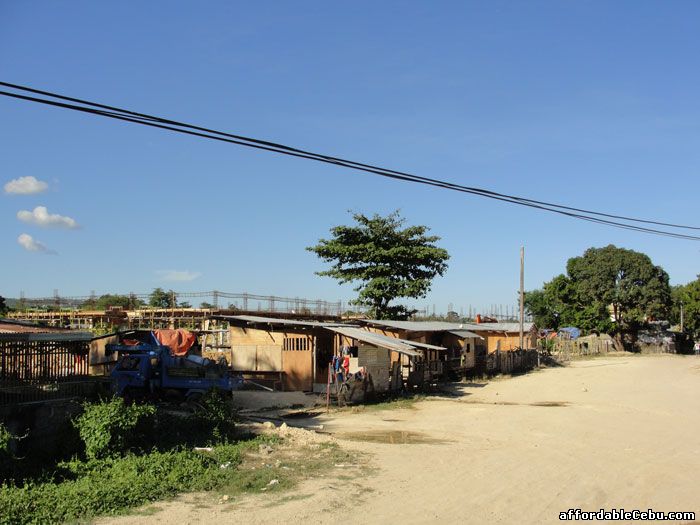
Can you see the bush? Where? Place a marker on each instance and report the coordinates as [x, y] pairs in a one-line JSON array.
[[214, 418], [5, 452], [111, 428], [108, 486]]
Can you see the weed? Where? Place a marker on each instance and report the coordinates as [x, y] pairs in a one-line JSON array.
[[112, 485], [111, 427]]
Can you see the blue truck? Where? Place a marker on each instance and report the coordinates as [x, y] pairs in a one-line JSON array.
[[147, 368]]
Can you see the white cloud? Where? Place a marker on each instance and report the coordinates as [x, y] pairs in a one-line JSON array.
[[177, 275], [28, 242], [26, 186], [41, 217]]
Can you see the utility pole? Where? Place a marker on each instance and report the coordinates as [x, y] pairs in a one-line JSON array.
[[522, 296], [681, 316]]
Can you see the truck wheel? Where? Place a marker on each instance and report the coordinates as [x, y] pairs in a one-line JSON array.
[[193, 401]]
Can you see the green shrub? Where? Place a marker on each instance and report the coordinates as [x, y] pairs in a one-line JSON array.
[[214, 418], [111, 428], [5, 452], [111, 485]]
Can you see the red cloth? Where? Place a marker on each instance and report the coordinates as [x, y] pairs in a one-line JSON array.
[[179, 341], [346, 364]]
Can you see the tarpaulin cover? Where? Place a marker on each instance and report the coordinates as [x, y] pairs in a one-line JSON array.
[[179, 341], [573, 332]]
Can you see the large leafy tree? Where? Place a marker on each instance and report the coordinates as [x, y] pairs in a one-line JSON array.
[[388, 260], [106, 301], [626, 281], [689, 296], [159, 298], [605, 289], [551, 306]]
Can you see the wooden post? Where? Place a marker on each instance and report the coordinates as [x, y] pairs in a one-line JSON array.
[[328, 390]]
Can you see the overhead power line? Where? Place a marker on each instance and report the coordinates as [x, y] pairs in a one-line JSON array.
[[113, 112]]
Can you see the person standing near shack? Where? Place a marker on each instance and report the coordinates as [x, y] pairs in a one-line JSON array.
[[697, 347], [346, 362]]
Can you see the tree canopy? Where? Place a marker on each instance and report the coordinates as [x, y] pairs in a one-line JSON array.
[[109, 300], [689, 296], [3, 306], [159, 298], [388, 260], [604, 289]]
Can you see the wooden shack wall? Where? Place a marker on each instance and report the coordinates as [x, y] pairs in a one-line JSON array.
[[508, 341], [99, 362], [377, 362], [455, 344], [254, 349]]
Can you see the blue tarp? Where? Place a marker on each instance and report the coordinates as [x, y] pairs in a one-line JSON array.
[[570, 331]]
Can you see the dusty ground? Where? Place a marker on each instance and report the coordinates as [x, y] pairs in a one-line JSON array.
[[602, 433]]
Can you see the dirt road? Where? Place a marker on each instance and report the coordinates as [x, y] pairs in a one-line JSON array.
[[602, 433]]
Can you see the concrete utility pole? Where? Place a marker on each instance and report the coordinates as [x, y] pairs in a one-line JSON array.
[[522, 296]]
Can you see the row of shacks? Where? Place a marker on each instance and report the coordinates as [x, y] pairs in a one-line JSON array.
[[38, 363], [296, 355]]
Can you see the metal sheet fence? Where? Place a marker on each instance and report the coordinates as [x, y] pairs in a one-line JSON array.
[[35, 370]]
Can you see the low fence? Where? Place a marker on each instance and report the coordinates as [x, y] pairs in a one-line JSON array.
[[506, 362], [39, 367], [566, 349]]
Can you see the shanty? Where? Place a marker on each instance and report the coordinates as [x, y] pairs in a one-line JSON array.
[[300, 353]]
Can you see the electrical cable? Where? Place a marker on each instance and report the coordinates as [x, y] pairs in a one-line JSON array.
[[171, 125]]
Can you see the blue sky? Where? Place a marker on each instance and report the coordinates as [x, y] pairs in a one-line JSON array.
[[592, 104]]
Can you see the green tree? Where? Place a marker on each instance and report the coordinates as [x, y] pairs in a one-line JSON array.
[[689, 296], [388, 260], [109, 300], [159, 298], [624, 280], [103, 302], [606, 289], [543, 314], [3, 306]]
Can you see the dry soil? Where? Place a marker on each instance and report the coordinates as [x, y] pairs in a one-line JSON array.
[[602, 433]]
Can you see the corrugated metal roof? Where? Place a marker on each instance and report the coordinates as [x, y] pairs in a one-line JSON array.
[[255, 319], [441, 326], [10, 327], [499, 327], [398, 345], [46, 336], [416, 326], [465, 333], [417, 344]]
